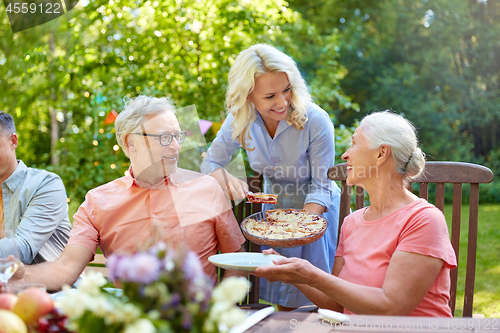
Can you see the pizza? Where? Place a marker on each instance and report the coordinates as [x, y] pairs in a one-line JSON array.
[[286, 224], [262, 198]]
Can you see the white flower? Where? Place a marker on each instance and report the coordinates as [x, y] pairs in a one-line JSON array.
[[225, 295], [225, 315], [232, 317], [74, 303], [142, 325], [231, 289], [92, 282], [101, 305], [114, 317], [219, 308], [169, 264], [131, 313]]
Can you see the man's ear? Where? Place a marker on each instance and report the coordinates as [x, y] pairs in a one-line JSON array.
[[129, 143], [13, 141]]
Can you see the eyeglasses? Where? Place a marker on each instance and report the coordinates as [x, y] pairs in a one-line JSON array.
[[166, 139]]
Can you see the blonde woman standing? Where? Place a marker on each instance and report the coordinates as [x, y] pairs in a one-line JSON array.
[[290, 141]]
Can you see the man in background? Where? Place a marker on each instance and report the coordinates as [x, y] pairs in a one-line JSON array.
[[33, 203]]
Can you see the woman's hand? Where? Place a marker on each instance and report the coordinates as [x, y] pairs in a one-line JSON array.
[[288, 270], [233, 188], [271, 251]]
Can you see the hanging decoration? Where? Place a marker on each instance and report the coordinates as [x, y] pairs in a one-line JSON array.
[[111, 117], [204, 125]]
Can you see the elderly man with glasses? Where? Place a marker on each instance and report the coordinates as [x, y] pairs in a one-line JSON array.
[[155, 200]]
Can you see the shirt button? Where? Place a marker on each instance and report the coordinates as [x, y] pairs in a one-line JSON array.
[[153, 215], [286, 194], [274, 168], [282, 284]]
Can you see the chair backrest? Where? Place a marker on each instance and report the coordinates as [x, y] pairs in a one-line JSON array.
[[242, 211], [98, 265], [456, 173]]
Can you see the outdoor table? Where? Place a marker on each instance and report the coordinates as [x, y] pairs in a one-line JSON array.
[[281, 322]]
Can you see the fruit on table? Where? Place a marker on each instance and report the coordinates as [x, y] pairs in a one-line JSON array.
[[11, 323], [7, 301], [53, 322], [31, 304]]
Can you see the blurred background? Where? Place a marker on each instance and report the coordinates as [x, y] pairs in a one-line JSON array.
[[437, 62]]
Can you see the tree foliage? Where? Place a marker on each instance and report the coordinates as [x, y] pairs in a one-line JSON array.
[[61, 79], [435, 61]]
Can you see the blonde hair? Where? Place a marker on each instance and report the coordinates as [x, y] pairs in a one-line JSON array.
[[397, 132], [248, 66]]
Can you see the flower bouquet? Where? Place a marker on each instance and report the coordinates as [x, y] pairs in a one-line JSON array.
[[163, 290]]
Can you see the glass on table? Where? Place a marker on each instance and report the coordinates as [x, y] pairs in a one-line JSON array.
[[9, 259], [20, 288]]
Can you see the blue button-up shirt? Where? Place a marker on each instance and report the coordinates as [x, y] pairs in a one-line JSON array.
[[35, 206], [294, 164]]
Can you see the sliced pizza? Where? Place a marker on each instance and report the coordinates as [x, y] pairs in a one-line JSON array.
[[262, 198]]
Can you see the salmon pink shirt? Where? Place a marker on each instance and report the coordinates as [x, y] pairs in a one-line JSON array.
[[367, 248], [188, 208]]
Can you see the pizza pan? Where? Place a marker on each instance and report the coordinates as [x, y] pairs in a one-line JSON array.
[[288, 242]]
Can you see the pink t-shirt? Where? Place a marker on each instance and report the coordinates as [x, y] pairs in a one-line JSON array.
[[189, 207], [367, 248]]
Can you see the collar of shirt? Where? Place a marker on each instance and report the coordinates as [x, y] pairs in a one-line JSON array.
[[17, 176], [282, 126], [175, 179]]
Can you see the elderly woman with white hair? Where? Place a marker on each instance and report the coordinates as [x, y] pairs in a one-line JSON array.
[[394, 257], [290, 141]]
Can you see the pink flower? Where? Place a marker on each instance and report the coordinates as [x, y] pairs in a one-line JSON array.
[[123, 268], [192, 267], [143, 268], [112, 264]]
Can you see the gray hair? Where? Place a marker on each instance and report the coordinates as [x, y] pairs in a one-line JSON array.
[[7, 124], [135, 114], [397, 132]]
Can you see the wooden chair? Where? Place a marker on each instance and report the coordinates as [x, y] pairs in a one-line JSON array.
[[439, 173], [242, 211], [98, 265]]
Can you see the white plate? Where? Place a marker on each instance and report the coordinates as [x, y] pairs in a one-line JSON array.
[[242, 261]]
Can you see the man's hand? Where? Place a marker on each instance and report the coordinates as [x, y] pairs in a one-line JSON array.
[[17, 279]]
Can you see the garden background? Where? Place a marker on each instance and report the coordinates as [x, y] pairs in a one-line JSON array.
[[435, 61]]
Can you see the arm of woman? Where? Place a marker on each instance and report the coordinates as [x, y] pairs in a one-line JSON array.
[[314, 295], [314, 208], [321, 156], [318, 297], [219, 155], [408, 279], [233, 188]]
